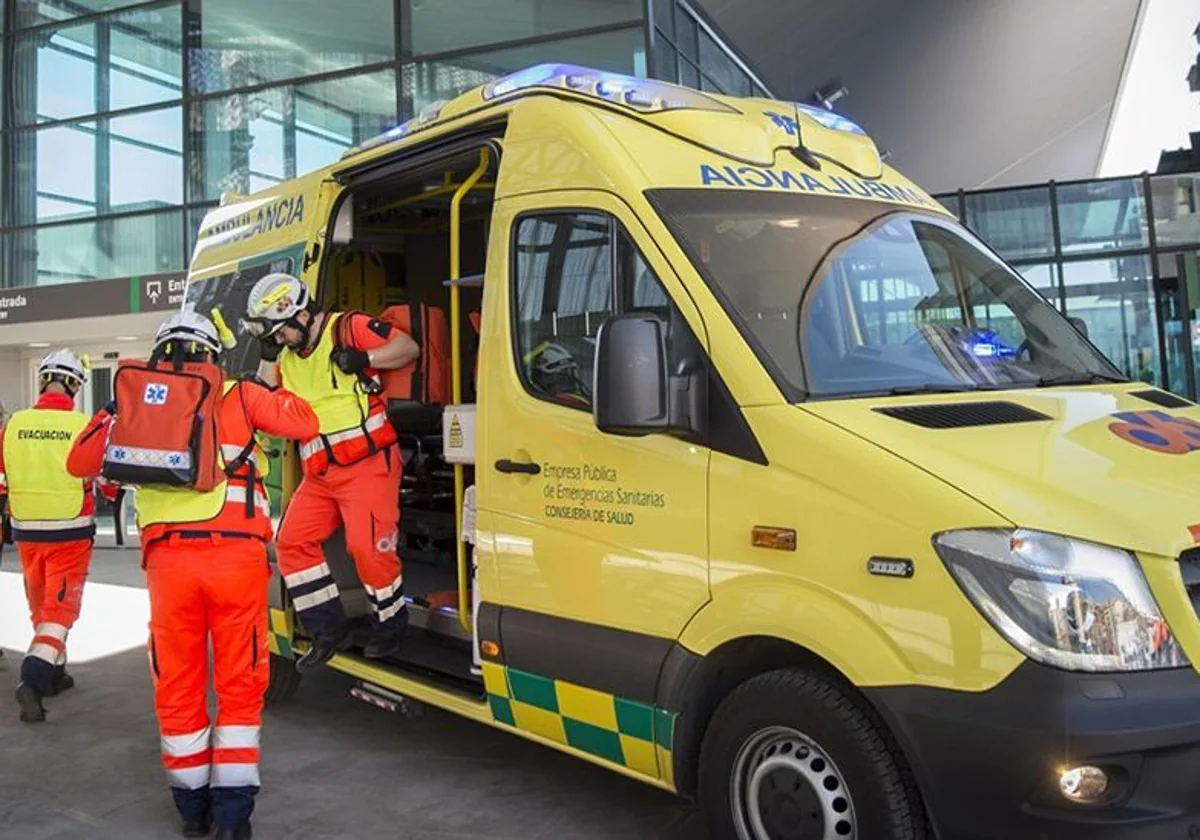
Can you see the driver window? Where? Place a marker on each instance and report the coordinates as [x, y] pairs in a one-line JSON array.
[[564, 292], [567, 267]]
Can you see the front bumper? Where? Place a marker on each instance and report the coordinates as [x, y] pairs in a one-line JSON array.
[[987, 762]]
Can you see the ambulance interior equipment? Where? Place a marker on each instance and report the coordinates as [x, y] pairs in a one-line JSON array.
[[421, 237]]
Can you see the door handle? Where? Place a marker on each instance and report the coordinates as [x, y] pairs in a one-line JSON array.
[[504, 465]]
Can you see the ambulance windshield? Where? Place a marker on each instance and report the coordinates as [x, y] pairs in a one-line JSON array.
[[843, 297]]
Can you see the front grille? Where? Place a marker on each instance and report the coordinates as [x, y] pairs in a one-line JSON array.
[[1189, 566], [1163, 398], [963, 415]]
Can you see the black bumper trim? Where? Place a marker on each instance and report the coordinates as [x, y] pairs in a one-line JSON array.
[[987, 762]]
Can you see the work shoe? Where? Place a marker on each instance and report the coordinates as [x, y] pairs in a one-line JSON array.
[[382, 646], [242, 832], [196, 828], [31, 704], [321, 651], [62, 682]]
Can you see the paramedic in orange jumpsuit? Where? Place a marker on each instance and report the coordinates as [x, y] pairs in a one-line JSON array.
[[205, 556], [53, 524], [352, 469]]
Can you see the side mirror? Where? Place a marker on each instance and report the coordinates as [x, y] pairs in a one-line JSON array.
[[630, 390], [634, 392], [1079, 324]]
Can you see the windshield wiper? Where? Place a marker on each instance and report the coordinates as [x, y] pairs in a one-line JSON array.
[[1078, 379], [905, 390]]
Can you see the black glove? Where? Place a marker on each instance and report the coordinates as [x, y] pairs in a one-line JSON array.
[[351, 359], [269, 350], [110, 407]]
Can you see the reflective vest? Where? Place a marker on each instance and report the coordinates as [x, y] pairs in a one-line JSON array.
[[46, 501], [223, 509], [353, 424]]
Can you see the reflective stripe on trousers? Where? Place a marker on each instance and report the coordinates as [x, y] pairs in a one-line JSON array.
[[187, 758], [235, 756]]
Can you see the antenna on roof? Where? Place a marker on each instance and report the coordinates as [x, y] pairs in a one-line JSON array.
[[800, 151]]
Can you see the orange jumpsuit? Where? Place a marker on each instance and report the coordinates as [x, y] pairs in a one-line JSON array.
[[353, 479], [55, 561], [210, 578]]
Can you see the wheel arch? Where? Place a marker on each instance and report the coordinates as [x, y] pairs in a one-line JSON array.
[[694, 686]]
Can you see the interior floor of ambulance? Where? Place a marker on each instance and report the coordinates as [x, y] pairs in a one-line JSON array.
[[391, 245]]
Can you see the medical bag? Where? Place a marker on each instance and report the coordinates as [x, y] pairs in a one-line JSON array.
[[165, 431]]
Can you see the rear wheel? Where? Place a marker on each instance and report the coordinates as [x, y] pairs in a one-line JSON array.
[[285, 679], [793, 754]]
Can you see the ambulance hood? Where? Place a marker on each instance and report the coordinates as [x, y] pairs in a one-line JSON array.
[[1096, 462]]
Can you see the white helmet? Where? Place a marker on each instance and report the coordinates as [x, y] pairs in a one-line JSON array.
[[274, 301], [62, 363], [189, 325]]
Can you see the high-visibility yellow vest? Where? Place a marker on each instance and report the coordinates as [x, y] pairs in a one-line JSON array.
[[41, 493], [337, 398]]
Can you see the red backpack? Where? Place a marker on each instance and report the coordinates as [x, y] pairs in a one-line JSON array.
[[166, 427], [426, 380]]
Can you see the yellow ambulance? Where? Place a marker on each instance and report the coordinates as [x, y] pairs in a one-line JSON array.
[[762, 480]]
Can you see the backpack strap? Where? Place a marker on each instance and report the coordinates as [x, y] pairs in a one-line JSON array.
[[244, 457]]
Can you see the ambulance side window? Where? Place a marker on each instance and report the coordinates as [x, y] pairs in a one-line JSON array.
[[563, 289], [569, 268]]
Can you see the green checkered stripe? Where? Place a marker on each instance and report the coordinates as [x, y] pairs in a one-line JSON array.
[[625, 732], [279, 640]]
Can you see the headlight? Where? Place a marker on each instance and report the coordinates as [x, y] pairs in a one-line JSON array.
[[1067, 603]]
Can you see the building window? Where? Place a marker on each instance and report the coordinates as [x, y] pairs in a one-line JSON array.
[[1017, 223], [250, 141], [243, 44], [438, 27], [426, 82], [129, 60], [687, 52], [1115, 297], [124, 246]]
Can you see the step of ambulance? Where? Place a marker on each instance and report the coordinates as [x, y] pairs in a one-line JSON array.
[[389, 701], [437, 659]]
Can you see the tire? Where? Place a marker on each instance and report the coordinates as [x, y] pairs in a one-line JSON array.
[[792, 753], [285, 679]]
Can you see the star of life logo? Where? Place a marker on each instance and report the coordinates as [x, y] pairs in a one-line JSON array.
[[156, 394]]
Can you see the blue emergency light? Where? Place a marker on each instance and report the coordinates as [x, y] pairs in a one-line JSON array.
[[632, 91], [831, 120], [986, 344]]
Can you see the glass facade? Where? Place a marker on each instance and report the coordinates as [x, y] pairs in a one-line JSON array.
[[688, 50], [125, 122], [1122, 254]]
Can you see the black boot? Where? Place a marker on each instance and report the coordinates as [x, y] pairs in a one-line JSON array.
[[383, 645], [242, 832], [31, 704], [321, 651], [196, 828], [62, 681]]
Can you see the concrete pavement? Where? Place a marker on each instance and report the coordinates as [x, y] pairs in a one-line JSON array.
[[333, 767]]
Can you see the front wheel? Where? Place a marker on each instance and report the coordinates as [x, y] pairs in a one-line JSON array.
[[793, 754]]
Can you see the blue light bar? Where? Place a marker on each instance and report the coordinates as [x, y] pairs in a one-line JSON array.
[[426, 117], [831, 120], [630, 91], [647, 95]]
